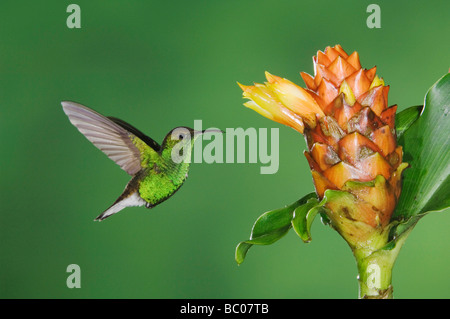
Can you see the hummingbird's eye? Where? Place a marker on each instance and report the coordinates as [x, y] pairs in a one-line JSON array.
[[180, 137]]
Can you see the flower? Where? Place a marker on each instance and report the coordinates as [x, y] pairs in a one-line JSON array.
[[343, 113]]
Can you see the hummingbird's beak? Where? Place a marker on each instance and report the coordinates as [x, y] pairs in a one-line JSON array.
[[212, 131], [198, 133]]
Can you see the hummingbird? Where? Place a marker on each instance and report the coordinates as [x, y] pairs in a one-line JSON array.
[[157, 171]]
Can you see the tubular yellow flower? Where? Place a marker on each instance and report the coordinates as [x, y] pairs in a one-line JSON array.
[[263, 101], [295, 98], [283, 101]]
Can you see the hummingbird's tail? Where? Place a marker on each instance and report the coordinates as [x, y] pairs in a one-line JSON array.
[[130, 197]]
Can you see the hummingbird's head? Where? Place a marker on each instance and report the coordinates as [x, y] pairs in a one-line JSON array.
[[178, 144], [180, 141], [185, 136], [182, 136]]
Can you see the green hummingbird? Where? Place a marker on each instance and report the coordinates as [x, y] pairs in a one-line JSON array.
[[158, 170]]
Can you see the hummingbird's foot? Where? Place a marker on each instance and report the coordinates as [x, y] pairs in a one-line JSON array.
[[148, 205]]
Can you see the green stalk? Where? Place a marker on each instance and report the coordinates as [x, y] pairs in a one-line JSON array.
[[375, 264], [375, 274]]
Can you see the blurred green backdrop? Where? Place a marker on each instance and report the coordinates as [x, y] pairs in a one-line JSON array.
[[160, 64]]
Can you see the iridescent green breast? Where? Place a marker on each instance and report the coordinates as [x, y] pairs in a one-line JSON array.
[[158, 185]]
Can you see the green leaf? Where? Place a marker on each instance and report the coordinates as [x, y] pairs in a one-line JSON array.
[[270, 224], [241, 251], [426, 146], [405, 118], [304, 215], [270, 227]]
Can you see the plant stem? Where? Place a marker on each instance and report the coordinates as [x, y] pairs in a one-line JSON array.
[[375, 266], [375, 275]]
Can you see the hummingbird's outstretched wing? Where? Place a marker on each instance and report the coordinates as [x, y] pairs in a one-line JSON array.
[[130, 128], [124, 144]]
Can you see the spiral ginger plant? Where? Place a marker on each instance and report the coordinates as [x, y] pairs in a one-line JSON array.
[[356, 144]]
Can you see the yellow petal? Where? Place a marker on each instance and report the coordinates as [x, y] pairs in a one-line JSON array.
[[255, 107], [272, 78], [376, 82], [242, 86], [260, 95], [293, 120], [281, 115], [348, 93]]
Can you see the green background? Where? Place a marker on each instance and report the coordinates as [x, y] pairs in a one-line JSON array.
[[161, 64]]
